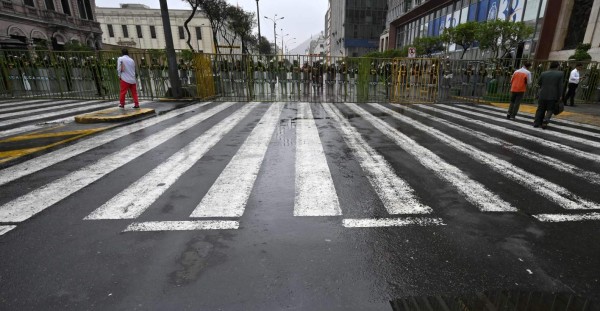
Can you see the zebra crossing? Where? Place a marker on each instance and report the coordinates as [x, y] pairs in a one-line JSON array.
[[453, 145], [18, 117]]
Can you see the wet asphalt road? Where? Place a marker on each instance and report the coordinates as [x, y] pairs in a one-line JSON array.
[[56, 260]]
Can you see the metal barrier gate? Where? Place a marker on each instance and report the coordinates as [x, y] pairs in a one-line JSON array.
[[229, 77]]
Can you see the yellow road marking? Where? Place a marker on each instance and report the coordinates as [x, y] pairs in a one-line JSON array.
[[38, 135], [6, 156]]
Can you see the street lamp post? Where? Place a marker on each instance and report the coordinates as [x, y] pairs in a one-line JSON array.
[[258, 20], [274, 20], [288, 40], [282, 46]]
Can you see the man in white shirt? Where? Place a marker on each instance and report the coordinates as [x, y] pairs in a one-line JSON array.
[[573, 83], [126, 70]]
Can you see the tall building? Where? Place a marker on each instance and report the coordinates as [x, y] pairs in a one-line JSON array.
[[44, 24], [139, 26], [354, 26], [559, 24]]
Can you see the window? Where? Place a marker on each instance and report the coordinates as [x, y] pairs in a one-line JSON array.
[[50, 5], [531, 10], [66, 7], [138, 29], [28, 2], [82, 13], [181, 34], [125, 31], [88, 9], [578, 23], [152, 32], [111, 32], [198, 33]]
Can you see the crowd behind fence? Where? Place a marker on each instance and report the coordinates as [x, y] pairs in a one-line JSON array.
[[93, 75]]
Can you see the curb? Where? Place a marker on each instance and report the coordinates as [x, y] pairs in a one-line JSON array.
[[112, 115]]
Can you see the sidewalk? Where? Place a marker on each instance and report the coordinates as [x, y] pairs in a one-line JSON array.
[[584, 113], [117, 114]]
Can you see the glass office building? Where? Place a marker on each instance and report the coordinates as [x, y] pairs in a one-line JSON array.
[[560, 25]]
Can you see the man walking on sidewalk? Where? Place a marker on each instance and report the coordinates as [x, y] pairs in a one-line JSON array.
[[550, 82], [573, 83], [520, 79], [126, 70]]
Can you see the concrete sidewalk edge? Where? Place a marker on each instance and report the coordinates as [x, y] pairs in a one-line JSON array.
[[113, 115]]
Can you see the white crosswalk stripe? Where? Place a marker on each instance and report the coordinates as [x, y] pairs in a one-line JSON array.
[[395, 193], [29, 128], [30, 109], [228, 195], [22, 103], [39, 199], [49, 159], [475, 192], [315, 192], [5, 229], [543, 187], [521, 135], [554, 119], [134, 200], [89, 106], [553, 134], [532, 155]]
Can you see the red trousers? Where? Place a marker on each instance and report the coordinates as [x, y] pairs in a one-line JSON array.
[[124, 88]]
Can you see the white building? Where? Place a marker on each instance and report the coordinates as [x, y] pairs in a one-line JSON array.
[[138, 26]]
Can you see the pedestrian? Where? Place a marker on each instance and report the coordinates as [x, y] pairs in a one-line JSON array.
[[573, 83], [550, 83], [126, 70], [518, 85]]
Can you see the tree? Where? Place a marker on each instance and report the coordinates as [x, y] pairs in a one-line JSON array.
[[502, 36], [216, 13], [428, 45], [388, 53], [462, 35], [489, 36], [581, 53], [513, 34], [264, 46], [240, 23]]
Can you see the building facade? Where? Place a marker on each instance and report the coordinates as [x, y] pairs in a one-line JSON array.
[[48, 24], [354, 26], [559, 25], [139, 26]]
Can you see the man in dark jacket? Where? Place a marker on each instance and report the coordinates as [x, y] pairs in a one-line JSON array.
[[550, 83]]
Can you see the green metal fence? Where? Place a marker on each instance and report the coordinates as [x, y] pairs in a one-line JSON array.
[[93, 75], [489, 81], [301, 78]]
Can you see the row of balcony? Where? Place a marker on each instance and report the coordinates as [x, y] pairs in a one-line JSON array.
[[51, 17]]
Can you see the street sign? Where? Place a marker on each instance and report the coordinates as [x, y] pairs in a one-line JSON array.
[[412, 52]]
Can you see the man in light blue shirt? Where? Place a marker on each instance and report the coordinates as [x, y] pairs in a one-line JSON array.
[[126, 71]]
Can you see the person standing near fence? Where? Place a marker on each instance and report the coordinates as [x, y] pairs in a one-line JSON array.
[[518, 85], [126, 70], [573, 83], [550, 83]]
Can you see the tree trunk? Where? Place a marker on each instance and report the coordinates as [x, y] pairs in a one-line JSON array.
[[171, 57], [185, 25]]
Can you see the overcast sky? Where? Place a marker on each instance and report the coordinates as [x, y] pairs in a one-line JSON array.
[[302, 18]]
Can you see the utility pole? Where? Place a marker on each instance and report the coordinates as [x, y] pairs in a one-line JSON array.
[[171, 57], [258, 20]]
